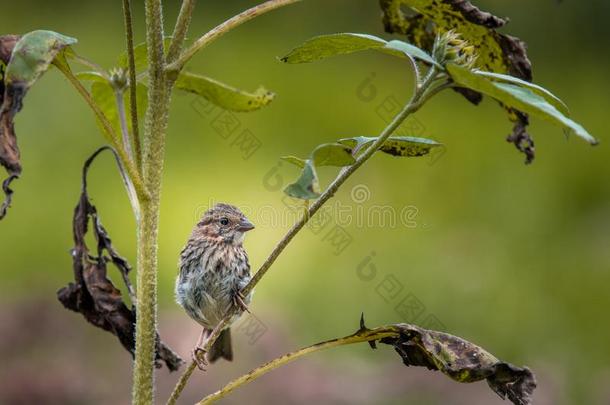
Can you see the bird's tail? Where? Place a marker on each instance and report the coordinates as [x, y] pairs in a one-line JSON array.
[[222, 347]]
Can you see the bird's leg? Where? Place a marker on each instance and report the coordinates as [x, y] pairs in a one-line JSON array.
[[199, 353], [238, 301]]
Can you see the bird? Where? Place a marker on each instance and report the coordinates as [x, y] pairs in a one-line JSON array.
[[213, 270]]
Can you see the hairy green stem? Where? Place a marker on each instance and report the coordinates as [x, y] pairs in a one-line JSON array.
[[210, 36], [155, 124], [133, 101], [422, 93], [365, 335], [180, 30]]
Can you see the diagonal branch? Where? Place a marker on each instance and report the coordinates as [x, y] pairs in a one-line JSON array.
[[422, 93], [457, 358], [180, 30], [363, 335], [175, 66]]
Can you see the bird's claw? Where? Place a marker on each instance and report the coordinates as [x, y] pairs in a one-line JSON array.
[[238, 301], [198, 355]]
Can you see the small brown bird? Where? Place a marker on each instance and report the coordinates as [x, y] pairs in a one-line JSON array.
[[214, 269]]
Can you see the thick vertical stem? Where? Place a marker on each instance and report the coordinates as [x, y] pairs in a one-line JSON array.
[[152, 163], [143, 382]]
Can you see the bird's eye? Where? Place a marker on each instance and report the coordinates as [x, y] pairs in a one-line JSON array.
[[224, 221]]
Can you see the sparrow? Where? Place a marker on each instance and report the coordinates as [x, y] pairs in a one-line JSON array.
[[213, 269]]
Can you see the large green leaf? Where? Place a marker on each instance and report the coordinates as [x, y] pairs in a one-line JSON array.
[[520, 98], [405, 146], [324, 46], [306, 187], [224, 95], [32, 56], [541, 91]]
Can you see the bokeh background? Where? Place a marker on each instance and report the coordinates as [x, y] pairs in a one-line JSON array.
[[513, 257]]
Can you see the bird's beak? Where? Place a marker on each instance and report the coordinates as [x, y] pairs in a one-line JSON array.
[[245, 225]]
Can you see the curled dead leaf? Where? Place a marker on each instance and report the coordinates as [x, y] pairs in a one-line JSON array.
[[23, 59], [92, 293], [10, 103], [462, 361]]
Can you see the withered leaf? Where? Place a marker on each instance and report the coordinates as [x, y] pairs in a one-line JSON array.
[[10, 103], [462, 361], [23, 59], [498, 53], [92, 293]]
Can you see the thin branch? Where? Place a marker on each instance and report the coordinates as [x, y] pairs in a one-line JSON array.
[[420, 95], [412, 106], [209, 37], [363, 335], [90, 64], [120, 105], [132, 82], [180, 30], [108, 131]]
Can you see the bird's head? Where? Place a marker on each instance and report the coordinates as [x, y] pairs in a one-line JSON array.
[[224, 223]]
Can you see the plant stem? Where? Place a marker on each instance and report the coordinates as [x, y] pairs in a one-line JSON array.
[[210, 36], [152, 164], [180, 30], [132, 82], [107, 130], [365, 335], [420, 95], [120, 105], [412, 106]]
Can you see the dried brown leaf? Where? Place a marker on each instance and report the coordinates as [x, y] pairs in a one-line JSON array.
[[10, 104], [462, 361], [93, 294]]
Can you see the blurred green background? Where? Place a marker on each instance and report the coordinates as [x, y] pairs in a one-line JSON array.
[[513, 257]]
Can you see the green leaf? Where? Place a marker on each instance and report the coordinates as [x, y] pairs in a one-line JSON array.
[[520, 98], [224, 95], [541, 91], [332, 154], [324, 46], [404, 146], [411, 50], [294, 160], [91, 76], [32, 56], [140, 54], [306, 187]]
